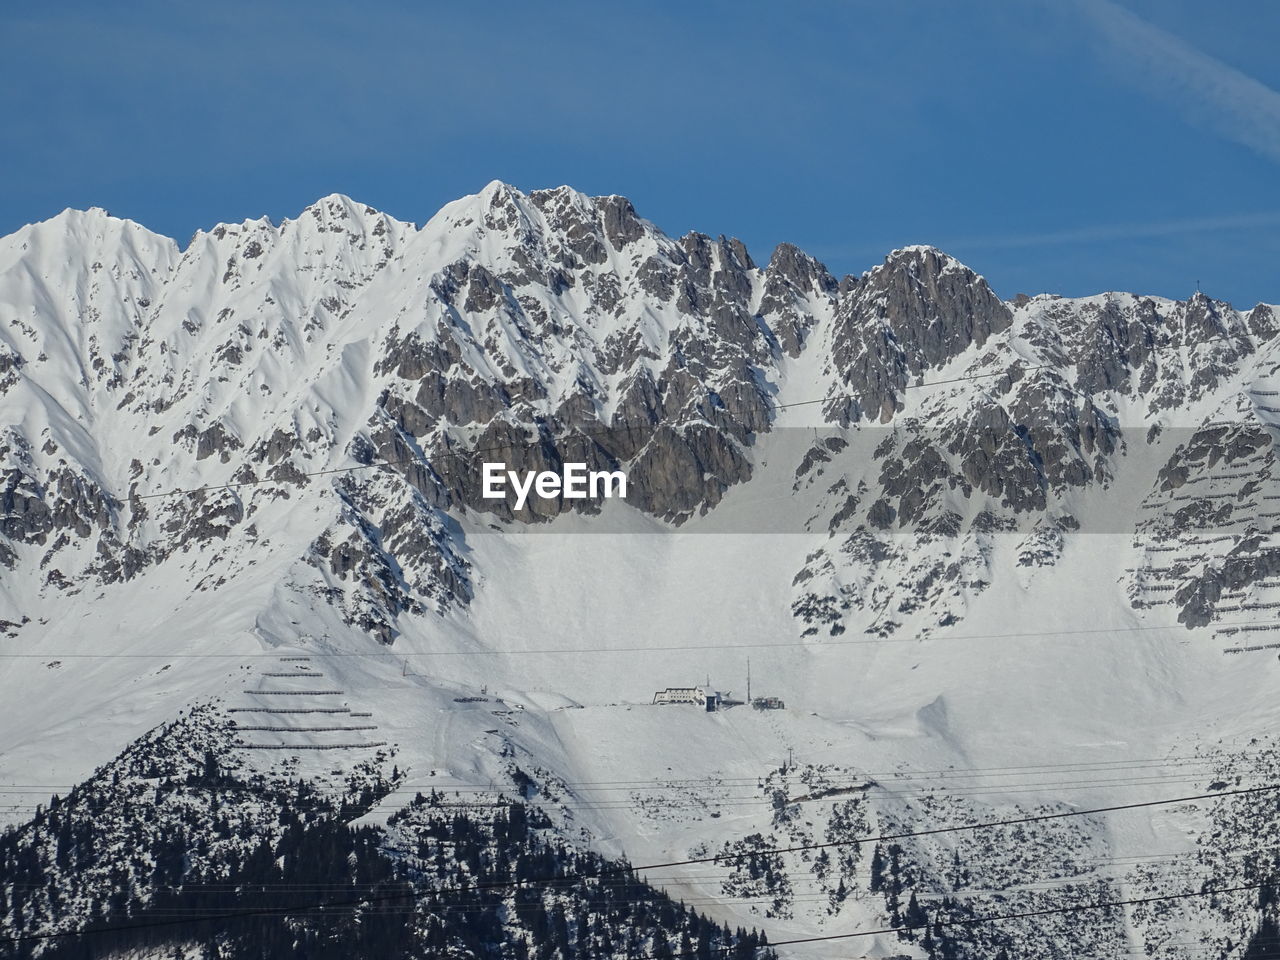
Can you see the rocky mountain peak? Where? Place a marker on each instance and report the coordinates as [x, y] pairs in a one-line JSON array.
[[271, 352], [919, 310], [933, 305], [271, 445], [797, 290], [800, 271]]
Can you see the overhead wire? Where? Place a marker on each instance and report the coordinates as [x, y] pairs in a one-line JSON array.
[[912, 773], [512, 651], [889, 781], [806, 874], [559, 882], [990, 918], [544, 441], [735, 803], [1019, 363]]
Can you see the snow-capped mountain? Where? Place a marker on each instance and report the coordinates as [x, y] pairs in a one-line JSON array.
[[991, 554]]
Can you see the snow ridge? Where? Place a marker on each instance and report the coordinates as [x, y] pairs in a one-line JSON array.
[[895, 491]]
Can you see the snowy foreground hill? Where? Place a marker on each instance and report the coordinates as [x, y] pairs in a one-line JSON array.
[[271, 647]]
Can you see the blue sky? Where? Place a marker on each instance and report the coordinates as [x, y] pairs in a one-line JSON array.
[[1069, 146]]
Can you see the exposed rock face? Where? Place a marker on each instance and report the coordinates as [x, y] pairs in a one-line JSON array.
[[917, 311], [285, 419], [796, 289], [253, 370]]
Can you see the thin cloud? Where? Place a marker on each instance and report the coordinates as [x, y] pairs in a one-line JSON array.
[[1120, 231], [1210, 93], [1101, 233]]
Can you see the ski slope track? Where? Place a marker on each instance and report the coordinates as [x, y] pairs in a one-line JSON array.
[[996, 557]]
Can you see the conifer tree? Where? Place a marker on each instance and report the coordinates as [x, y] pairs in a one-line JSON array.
[[915, 916], [877, 870]]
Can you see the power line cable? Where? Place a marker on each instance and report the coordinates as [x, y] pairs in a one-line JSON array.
[[552, 883], [1170, 860], [912, 773], [736, 804], [706, 800], [1022, 634], [962, 828], [1018, 363], [991, 918]]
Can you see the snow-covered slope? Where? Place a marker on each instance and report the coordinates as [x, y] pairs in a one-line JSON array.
[[994, 556]]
